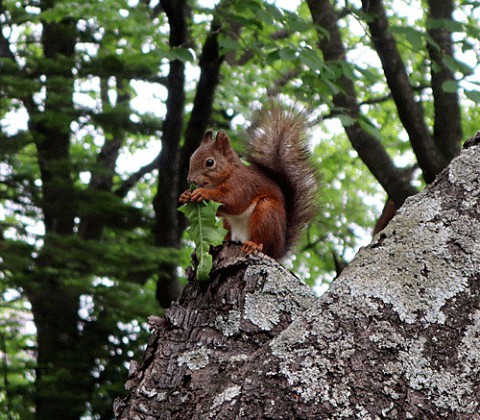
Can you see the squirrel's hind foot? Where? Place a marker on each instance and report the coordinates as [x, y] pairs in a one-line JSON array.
[[250, 247]]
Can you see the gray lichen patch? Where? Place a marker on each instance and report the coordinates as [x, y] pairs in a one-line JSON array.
[[423, 274], [283, 345], [469, 350], [237, 358], [195, 359], [464, 171], [229, 394], [303, 368], [262, 310], [280, 282], [229, 325], [149, 393], [452, 391], [309, 369], [308, 380], [279, 293], [386, 336]]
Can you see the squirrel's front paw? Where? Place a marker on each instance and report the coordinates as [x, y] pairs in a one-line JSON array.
[[250, 247], [185, 197], [200, 194]]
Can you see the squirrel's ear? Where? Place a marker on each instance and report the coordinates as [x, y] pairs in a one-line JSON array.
[[207, 137], [222, 142]]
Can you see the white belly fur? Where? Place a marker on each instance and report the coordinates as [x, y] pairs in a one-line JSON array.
[[239, 224]]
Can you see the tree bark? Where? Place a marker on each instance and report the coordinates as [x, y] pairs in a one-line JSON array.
[[166, 229], [168, 232], [59, 393], [396, 336], [369, 149], [210, 63], [429, 157], [448, 125]]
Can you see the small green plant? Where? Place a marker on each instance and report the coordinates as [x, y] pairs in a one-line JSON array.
[[204, 229]]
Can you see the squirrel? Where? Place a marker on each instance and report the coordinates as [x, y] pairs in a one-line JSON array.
[[266, 203]]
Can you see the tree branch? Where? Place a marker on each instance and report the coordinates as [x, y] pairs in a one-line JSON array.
[[210, 63], [447, 132], [280, 82], [410, 112], [132, 180], [381, 99], [102, 177], [370, 150]]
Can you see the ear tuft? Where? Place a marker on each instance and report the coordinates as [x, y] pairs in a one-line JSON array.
[[222, 141], [207, 137]]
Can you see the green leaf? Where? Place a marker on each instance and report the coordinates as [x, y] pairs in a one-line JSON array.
[[183, 54], [311, 59], [415, 39], [346, 120], [450, 63], [413, 36], [450, 86], [347, 70], [473, 95], [333, 87], [370, 128], [448, 24], [297, 24], [205, 230], [455, 65], [266, 17], [273, 56], [228, 44], [287, 54], [276, 13]]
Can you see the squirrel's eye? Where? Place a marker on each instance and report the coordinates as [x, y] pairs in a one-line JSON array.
[[209, 163]]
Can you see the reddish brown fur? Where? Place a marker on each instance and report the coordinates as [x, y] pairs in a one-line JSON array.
[[253, 204], [267, 226]]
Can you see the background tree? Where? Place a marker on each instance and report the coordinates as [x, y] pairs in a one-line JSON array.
[[90, 239]]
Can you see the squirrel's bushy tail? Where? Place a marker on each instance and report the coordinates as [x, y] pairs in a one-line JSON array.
[[278, 144]]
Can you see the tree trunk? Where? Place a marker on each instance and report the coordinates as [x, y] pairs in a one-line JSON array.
[[60, 391], [171, 183], [396, 336], [165, 202]]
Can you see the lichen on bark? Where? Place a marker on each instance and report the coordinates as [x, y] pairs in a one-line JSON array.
[[397, 335]]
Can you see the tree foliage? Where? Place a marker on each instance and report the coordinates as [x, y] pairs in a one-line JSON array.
[[103, 102]]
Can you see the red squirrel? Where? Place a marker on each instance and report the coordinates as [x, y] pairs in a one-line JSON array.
[[266, 203]]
